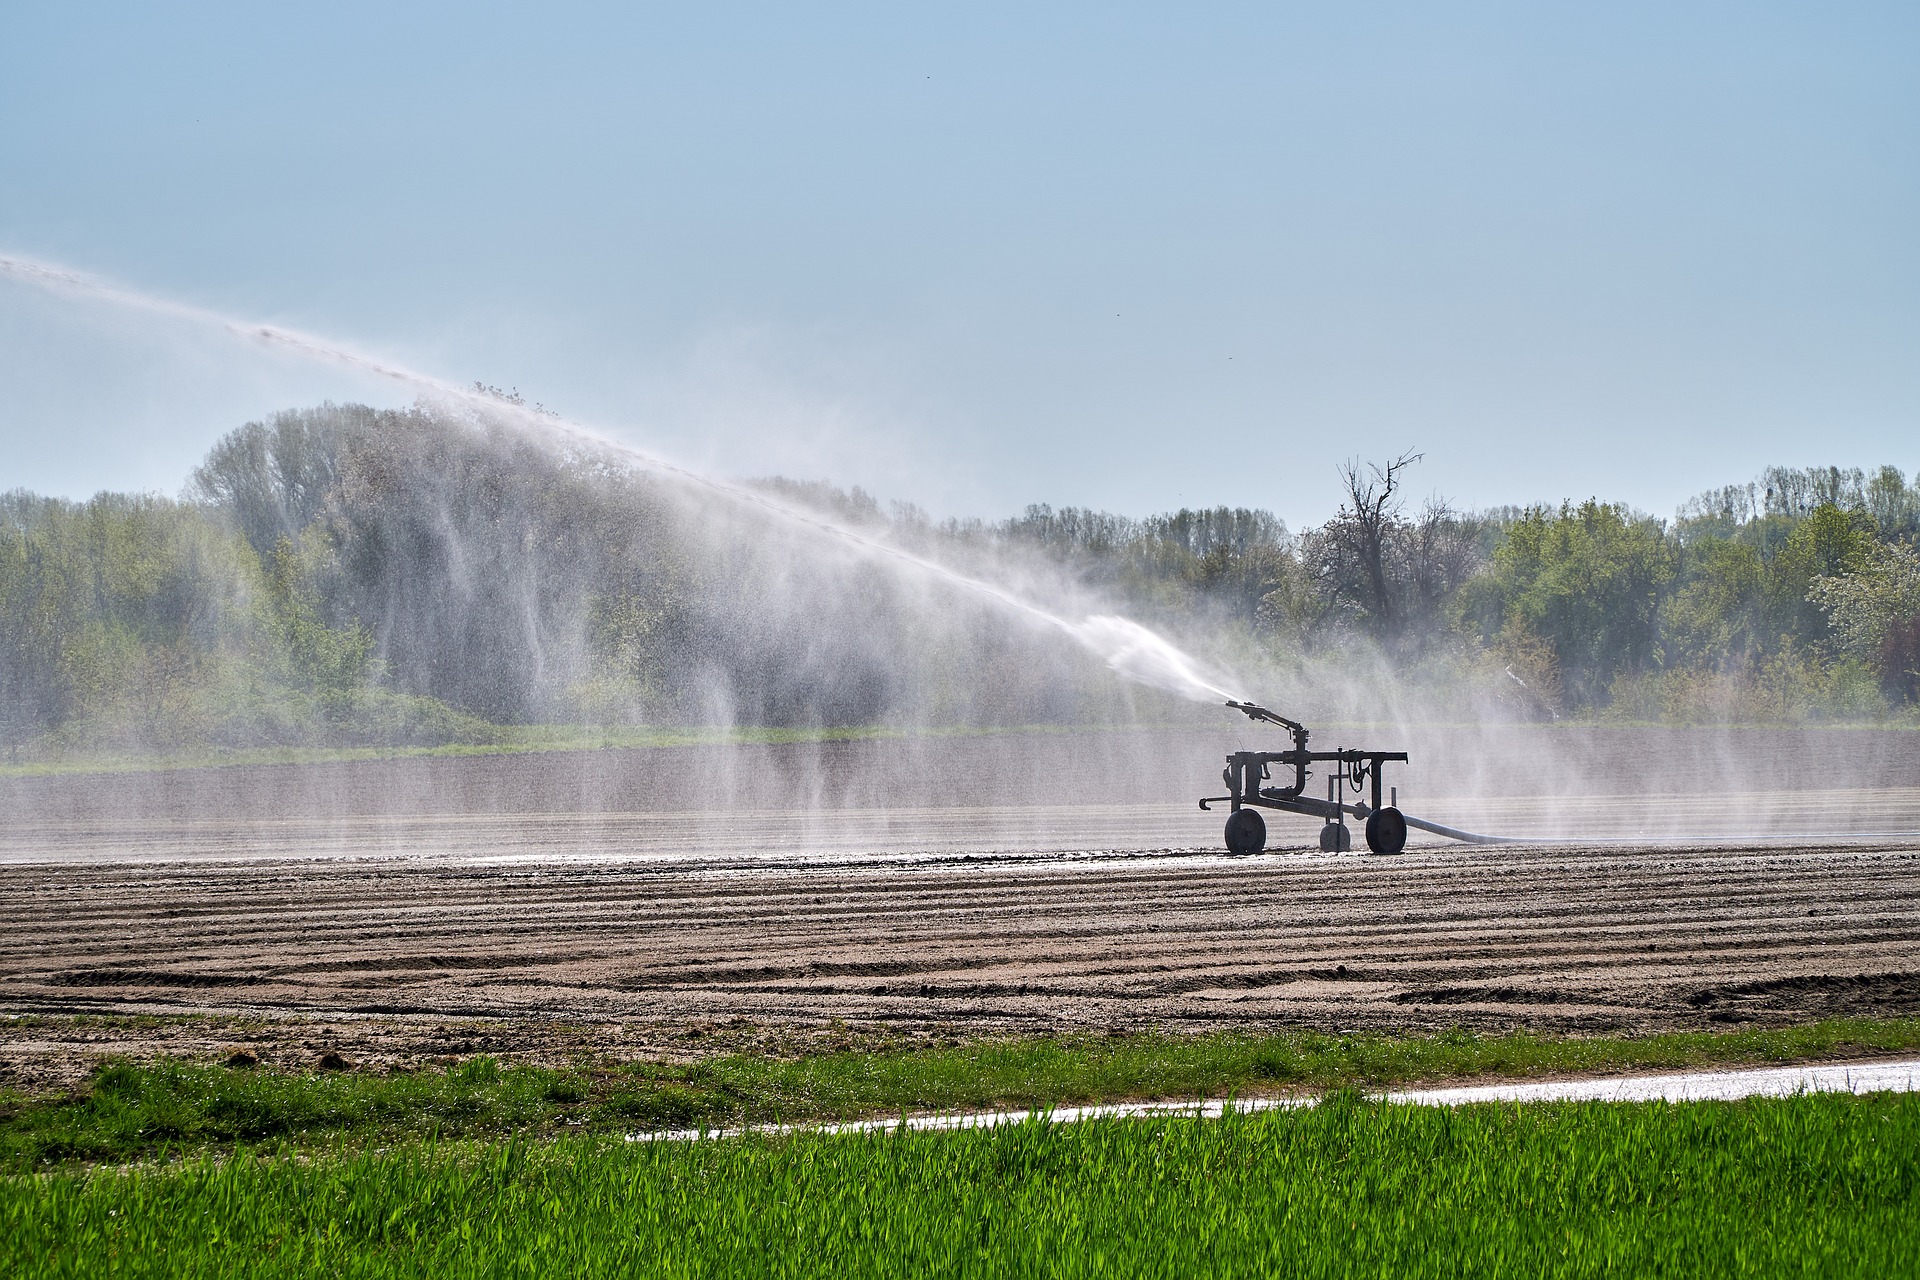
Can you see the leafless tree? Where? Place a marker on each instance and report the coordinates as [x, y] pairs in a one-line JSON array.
[[1353, 549], [1369, 520], [1386, 573]]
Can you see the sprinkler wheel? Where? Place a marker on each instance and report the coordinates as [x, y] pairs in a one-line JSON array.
[[1246, 832], [1335, 837], [1386, 831]]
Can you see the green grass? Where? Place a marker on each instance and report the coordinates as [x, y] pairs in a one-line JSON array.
[[141, 1111], [1825, 1185], [510, 740], [530, 739]]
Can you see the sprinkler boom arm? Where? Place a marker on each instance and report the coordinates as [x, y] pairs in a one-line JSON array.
[[1299, 757], [1253, 712]]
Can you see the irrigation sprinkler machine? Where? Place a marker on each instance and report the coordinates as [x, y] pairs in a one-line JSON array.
[[1349, 772]]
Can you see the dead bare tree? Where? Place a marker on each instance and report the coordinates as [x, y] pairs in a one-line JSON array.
[[1355, 549], [1385, 572]]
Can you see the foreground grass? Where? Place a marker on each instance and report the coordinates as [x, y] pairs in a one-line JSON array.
[[1822, 1185], [140, 1111]]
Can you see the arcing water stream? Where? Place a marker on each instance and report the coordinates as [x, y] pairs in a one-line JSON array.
[[1129, 649]]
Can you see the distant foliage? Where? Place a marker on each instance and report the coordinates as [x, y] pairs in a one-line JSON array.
[[1873, 605], [346, 575], [136, 622], [1588, 581]]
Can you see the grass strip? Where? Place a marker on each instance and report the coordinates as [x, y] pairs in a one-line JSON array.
[[503, 740], [510, 740], [507, 740], [1821, 1185], [131, 1111]]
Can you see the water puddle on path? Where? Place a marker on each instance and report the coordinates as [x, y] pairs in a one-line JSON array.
[[1692, 1086]]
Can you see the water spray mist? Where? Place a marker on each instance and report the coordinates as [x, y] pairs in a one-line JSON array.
[[1129, 649]]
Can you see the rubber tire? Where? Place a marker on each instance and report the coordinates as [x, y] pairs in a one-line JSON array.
[[1246, 832], [1336, 837], [1386, 830]]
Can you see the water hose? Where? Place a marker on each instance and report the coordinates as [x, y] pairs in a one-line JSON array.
[[1455, 833]]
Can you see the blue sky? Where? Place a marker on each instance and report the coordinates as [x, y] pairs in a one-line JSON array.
[[979, 256]]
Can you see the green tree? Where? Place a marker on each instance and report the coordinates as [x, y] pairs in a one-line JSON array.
[[1828, 543], [1874, 609], [1720, 616], [1588, 582]]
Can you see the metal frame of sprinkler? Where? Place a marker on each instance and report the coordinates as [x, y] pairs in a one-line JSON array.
[[1386, 826]]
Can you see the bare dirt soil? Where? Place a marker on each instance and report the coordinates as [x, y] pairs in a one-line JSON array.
[[212, 915]]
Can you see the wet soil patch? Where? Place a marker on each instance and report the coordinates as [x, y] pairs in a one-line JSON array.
[[1817, 994], [1488, 995], [149, 978]]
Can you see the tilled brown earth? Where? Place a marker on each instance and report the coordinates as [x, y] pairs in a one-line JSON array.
[[393, 959], [674, 901]]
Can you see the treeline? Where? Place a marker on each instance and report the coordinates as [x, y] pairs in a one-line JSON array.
[[1796, 596], [345, 575]]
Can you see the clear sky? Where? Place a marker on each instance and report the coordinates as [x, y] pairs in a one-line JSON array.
[[984, 255]]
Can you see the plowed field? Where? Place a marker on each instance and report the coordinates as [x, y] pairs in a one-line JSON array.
[[529, 904]]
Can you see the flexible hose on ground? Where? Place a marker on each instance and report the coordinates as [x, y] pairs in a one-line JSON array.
[[1455, 833]]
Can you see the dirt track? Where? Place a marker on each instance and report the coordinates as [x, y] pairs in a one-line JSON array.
[[388, 956]]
